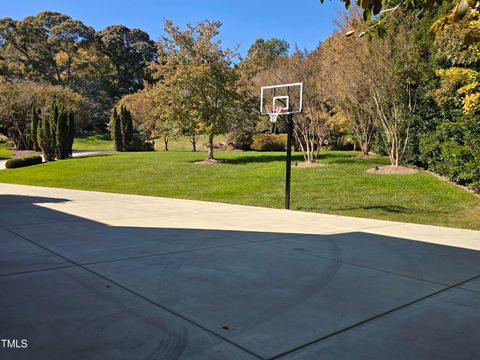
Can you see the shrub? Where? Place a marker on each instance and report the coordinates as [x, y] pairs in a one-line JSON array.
[[453, 150], [138, 143], [121, 127], [46, 134], [62, 137], [24, 161], [240, 139], [35, 119], [269, 142], [71, 131], [148, 146], [127, 127], [116, 130]]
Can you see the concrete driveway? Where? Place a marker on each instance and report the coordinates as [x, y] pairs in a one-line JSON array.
[[86, 275]]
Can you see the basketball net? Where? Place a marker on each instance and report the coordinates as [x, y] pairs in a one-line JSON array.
[[273, 111]]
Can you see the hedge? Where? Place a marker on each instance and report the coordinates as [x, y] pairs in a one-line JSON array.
[[24, 161], [269, 142]]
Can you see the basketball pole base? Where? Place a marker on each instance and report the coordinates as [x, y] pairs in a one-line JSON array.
[[289, 160]]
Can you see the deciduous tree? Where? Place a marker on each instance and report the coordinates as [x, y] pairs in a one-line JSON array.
[[198, 79]]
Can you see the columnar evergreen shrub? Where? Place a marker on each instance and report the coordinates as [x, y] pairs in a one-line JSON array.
[[35, 119], [71, 131], [121, 127], [62, 150], [116, 130], [127, 125], [46, 134]]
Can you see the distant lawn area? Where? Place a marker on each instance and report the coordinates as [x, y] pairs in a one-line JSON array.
[[93, 142], [5, 153], [103, 142], [251, 178]]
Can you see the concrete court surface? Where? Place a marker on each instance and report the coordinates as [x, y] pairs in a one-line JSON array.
[[87, 275]]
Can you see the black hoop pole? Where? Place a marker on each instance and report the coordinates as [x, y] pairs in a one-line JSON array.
[[289, 160]]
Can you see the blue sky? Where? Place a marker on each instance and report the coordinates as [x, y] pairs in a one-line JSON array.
[[301, 22]]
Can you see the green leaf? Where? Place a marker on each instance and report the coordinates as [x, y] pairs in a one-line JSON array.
[[367, 13]]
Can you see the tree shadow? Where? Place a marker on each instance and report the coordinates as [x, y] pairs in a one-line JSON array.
[[250, 159]]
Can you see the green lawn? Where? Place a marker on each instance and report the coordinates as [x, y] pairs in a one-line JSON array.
[[94, 142], [5, 153], [342, 187], [103, 142]]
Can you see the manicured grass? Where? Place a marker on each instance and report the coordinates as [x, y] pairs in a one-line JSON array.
[[93, 142], [183, 143], [103, 142], [342, 187], [5, 153]]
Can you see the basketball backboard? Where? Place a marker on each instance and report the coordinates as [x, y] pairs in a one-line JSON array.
[[288, 96]]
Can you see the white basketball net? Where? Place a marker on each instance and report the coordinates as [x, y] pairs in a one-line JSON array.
[[273, 111]]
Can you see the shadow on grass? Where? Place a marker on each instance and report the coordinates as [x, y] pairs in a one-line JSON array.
[[94, 155], [262, 159], [393, 209]]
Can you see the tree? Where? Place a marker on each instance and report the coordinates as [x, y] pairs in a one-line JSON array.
[[129, 51], [46, 133], [34, 121], [311, 128], [262, 55], [394, 88], [17, 99], [71, 131], [43, 47], [116, 130], [126, 126], [198, 79], [121, 127], [62, 149], [451, 146], [372, 8]]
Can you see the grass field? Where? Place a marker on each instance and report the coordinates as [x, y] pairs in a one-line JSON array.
[[103, 142], [93, 142], [5, 153], [342, 187]]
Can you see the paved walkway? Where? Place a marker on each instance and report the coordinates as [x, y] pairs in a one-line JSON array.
[[86, 275]]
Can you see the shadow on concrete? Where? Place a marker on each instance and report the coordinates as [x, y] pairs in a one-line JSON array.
[[77, 289]]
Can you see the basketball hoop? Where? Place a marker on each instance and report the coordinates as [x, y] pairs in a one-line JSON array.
[[273, 111]]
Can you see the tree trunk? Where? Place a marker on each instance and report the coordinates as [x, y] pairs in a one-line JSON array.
[[165, 141], [210, 147], [365, 148], [193, 140]]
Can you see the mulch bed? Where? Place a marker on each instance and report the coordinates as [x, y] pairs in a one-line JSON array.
[[304, 165]]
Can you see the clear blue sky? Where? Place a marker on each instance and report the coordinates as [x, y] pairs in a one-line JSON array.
[[301, 22]]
